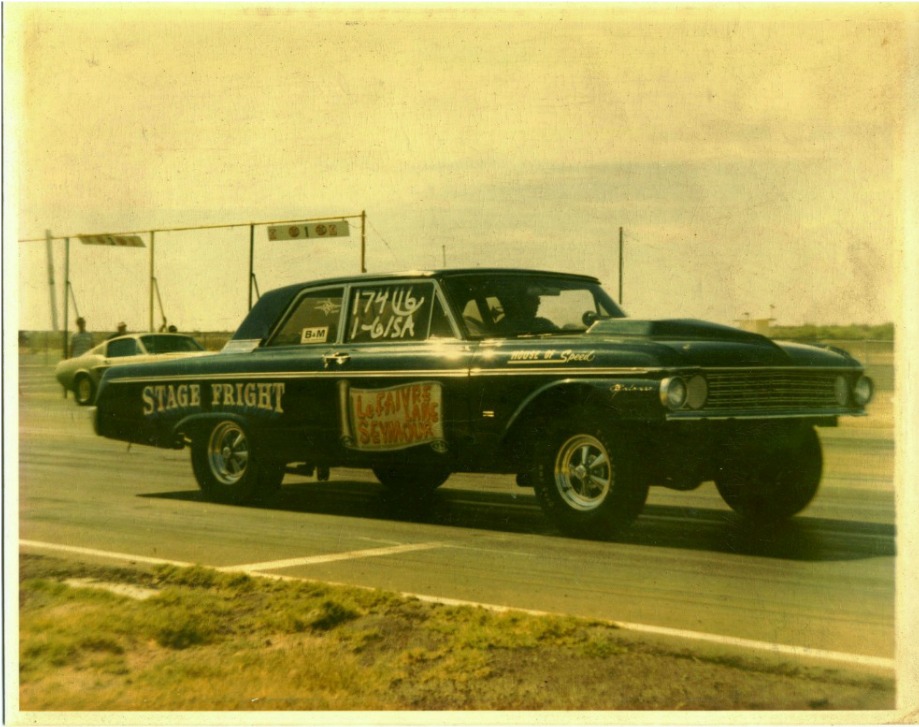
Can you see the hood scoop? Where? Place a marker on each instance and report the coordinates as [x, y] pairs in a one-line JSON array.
[[682, 329]]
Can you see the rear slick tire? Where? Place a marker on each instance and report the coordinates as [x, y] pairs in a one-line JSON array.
[[589, 482], [227, 469]]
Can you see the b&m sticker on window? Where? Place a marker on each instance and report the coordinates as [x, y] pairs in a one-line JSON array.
[[394, 418], [319, 334]]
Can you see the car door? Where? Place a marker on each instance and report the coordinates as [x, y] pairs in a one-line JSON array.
[[118, 351], [401, 373], [295, 360]]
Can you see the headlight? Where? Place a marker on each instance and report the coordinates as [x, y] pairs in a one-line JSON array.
[[863, 391], [696, 392], [841, 390], [673, 392]]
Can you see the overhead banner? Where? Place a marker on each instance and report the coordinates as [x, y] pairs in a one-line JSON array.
[[309, 231], [113, 240]]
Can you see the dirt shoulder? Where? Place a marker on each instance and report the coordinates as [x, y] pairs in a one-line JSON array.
[[96, 637]]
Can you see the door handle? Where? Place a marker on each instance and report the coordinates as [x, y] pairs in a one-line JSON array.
[[337, 358]]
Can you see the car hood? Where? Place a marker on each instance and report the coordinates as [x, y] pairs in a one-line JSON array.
[[695, 342]]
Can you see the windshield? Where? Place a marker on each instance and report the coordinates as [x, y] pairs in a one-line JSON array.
[[510, 306]]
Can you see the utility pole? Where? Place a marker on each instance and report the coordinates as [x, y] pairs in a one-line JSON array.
[[48, 250], [152, 281], [64, 348], [620, 266], [251, 260], [363, 241]]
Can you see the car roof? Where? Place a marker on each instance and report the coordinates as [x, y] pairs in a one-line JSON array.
[[272, 303], [433, 273], [150, 333]]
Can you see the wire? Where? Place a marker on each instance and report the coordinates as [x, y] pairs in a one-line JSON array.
[[388, 247], [199, 227]]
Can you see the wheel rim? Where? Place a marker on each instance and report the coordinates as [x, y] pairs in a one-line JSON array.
[[583, 472], [228, 453], [84, 389]]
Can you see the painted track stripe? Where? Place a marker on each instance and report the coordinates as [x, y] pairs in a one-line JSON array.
[[103, 553], [751, 644], [331, 557]]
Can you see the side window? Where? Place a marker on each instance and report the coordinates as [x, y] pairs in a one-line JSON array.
[[122, 347], [314, 320], [390, 312], [440, 323]]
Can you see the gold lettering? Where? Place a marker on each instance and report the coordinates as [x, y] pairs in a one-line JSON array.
[[264, 396], [182, 395], [195, 391], [278, 394], [148, 400], [160, 391], [215, 394], [228, 395], [171, 398]]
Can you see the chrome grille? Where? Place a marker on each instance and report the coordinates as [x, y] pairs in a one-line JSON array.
[[771, 389]]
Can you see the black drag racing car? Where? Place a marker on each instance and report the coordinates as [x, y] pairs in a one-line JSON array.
[[538, 374]]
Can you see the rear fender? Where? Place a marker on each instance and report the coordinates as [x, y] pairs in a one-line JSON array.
[[198, 425]]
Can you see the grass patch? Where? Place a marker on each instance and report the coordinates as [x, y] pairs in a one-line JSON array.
[[218, 641]]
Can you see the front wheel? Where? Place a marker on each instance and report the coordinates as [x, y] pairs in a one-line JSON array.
[[777, 485], [589, 482], [228, 470], [84, 390]]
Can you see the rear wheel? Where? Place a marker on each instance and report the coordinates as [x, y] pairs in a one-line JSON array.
[[84, 390], [589, 482], [775, 485], [228, 470], [403, 478]]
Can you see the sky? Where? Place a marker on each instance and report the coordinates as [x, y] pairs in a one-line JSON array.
[[753, 156]]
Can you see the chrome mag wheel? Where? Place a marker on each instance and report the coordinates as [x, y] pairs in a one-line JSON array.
[[583, 472]]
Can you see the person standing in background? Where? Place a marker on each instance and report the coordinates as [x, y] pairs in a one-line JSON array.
[[82, 340], [122, 329]]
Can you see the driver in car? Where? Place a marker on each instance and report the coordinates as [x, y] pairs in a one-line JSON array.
[[520, 316]]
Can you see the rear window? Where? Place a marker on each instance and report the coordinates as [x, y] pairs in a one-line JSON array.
[[170, 344]]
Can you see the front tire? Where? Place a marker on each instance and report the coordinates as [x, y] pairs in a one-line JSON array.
[[776, 485], [589, 482], [227, 469], [84, 390]]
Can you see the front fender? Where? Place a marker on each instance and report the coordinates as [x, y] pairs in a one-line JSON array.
[[635, 399]]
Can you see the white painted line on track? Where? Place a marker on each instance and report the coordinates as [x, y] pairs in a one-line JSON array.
[[332, 557], [103, 553], [751, 644], [781, 649]]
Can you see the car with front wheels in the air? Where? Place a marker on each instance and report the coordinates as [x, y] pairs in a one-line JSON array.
[[536, 374]]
